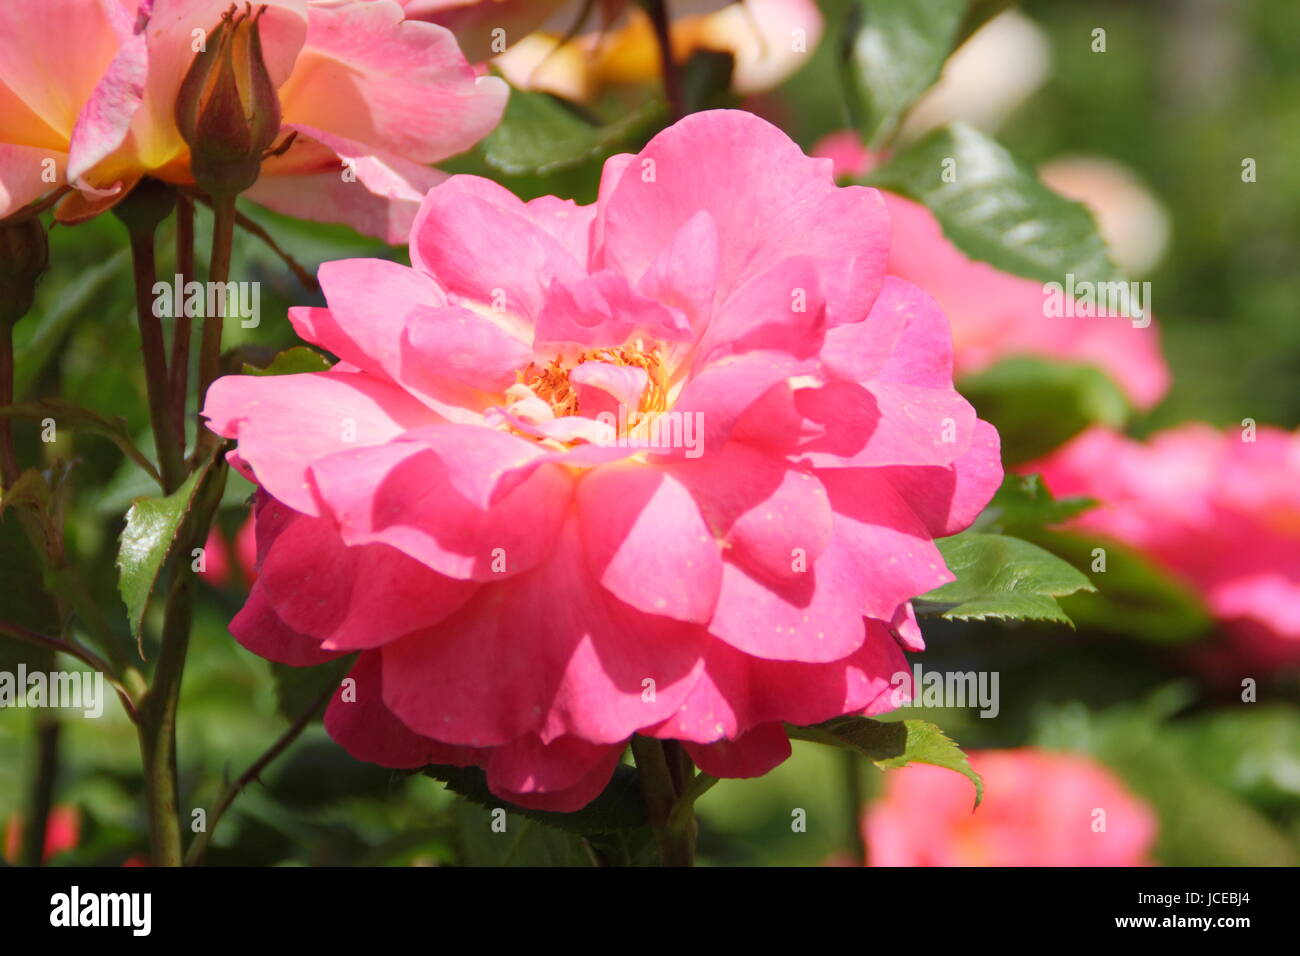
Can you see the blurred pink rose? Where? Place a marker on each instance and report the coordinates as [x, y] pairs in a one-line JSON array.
[[996, 315], [1040, 809], [1221, 512], [62, 832], [219, 569], [88, 91], [462, 498]]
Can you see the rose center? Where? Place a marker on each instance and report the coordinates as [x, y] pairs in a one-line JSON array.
[[551, 382]]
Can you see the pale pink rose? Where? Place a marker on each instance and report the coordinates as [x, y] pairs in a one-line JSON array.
[[996, 315], [88, 91], [1040, 809], [453, 498], [1219, 512]]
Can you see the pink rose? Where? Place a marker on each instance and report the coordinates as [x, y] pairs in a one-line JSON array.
[[463, 499], [225, 565], [62, 833], [1039, 809], [88, 91], [994, 314], [1218, 511]]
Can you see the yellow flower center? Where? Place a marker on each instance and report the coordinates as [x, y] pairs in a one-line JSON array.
[[551, 382]]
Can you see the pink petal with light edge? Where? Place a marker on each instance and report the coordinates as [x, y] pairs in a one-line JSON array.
[[684, 275], [905, 628], [567, 221], [723, 392], [604, 387], [704, 161], [21, 175], [778, 310], [403, 87], [647, 543], [369, 301], [884, 424], [602, 310], [526, 765], [286, 422], [752, 754], [402, 495], [948, 498], [551, 653], [381, 200], [737, 692], [769, 515], [367, 730], [456, 344], [892, 550], [258, 628], [105, 120], [579, 795], [352, 598], [905, 339], [52, 54], [488, 249]]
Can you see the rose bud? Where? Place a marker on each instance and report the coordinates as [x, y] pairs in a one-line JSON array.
[[24, 255], [227, 108]]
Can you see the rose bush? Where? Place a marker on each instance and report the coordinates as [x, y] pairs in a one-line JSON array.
[[495, 496]]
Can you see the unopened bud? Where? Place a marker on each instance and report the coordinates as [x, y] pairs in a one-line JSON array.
[[227, 109], [24, 255]]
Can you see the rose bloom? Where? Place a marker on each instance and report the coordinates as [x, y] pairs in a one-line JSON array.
[[668, 464], [1217, 511], [1040, 809], [577, 50], [997, 315], [88, 91]]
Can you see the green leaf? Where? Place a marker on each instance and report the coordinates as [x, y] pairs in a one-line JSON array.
[[297, 687], [1134, 596], [1203, 822], [890, 744], [980, 12], [894, 51], [24, 600], [152, 531], [1039, 404], [1001, 578], [620, 806], [994, 208], [292, 361], [1023, 503], [67, 415], [540, 133], [524, 842]]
